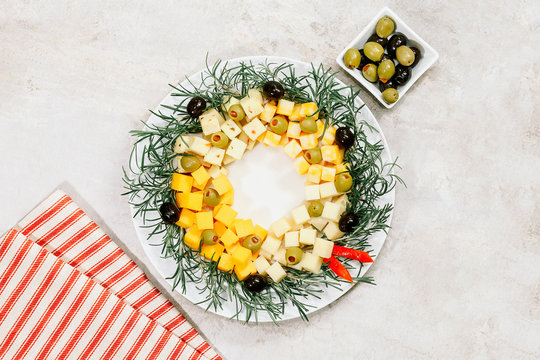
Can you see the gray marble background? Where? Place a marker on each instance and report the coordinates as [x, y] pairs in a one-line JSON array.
[[459, 276]]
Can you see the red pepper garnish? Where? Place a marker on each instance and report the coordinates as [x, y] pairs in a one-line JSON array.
[[354, 254], [338, 268]]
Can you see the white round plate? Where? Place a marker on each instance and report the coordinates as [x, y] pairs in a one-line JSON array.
[[266, 188]]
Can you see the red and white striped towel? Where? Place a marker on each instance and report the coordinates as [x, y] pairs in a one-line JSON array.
[[67, 291]]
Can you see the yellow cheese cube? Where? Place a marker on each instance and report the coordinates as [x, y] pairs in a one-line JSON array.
[[200, 177], [204, 220], [244, 228], [187, 218], [219, 228], [329, 136], [241, 255], [192, 238], [226, 263], [294, 130], [292, 149], [245, 270], [212, 252], [320, 128], [308, 141], [268, 112], [295, 116], [314, 173], [328, 173], [216, 209], [341, 154], [226, 215], [192, 201], [341, 168], [309, 110], [230, 249], [181, 182], [285, 107], [229, 238], [222, 184], [272, 139], [255, 255], [284, 140], [227, 198], [330, 153], [260, 232], [301, 165]]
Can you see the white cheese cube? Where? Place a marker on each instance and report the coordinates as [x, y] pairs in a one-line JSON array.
[[200, 146], [296, 266], [307, 236], [332, 231], [311, 263], [276, 272], [280, 256], [331, 211], [214, 156], [285, 107], [252, 107], [255, 95], [182, 144], [210, 121], [261, 264], [291, 239], [318, 222], [243, 137], [251, 144], [228, 159], [228, 102], [271, 245], [268, 113], [312, 192], [342, 201], [280, 227], [231, 129], [254, 129], [300, 215], [236, 149], [293, 149], [266, 254], [216, 171], [328, 190], [323, 248]]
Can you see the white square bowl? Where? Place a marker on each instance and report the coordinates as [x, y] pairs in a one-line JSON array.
[[428, 55]]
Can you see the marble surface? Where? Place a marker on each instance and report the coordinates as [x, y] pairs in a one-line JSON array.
[[459, 276]]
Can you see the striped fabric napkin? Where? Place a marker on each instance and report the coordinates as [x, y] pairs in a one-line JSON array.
[[67, 291]]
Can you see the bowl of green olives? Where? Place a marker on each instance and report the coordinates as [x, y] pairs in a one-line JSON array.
[[387, 57]]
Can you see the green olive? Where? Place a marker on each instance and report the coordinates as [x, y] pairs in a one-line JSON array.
[[313, 156], [373, 51], [352, 58], [343, 182], [390, 95], [279, 124], [252, 242], [211, 197], [236, 112], [386, 70], [219, 139], [385, 26], [308, 125], [405, 55], [294, 255], [370, 72], [190, 163], [209, 237], [315, 208]]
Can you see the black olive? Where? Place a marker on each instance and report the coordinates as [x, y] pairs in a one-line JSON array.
[[389, 84], [402, 75], [196, 106], [273, 90], [344, 137], [255, 283], [363, 60], [379, 40], [395, 41], [348, 222], [417, 55], [169, 213]]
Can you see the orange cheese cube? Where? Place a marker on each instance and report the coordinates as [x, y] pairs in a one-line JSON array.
[[230, 249], [330, 153], [226, 263], [204, 220], [187, 218], [293, 130], [226, 215], [192, 201], [181, 182], [192, 238], [328, 173], [212, 252], [245, 270], [222, 184], [260, 232], [229, 238], [329, 136], [244, 228], [309, 110], [292, 149], [308, 141], [295, 116], [241, 255], [314, 173], [200, 177], [272, 139], [301, 165], [285, 107], [219, 228], [268, 112]]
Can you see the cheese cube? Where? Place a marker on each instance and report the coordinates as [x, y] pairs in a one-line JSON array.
[[261, 264], [276, 272], [291, 239], [228, 102], [243, 271], [181, 182], [200, 146], [220, 228], [331, 211], [254, 129], [192, 201], [252, 107], [214, 156], [320, 128], [285, 107], [329, 136], [271, 245], [268, 112], [210, 121], [330, 153], [311, 263], [332, 231], [260, 232], [231, 129], [301, 165], [187, 218], [314, 174], [243, 137], [292, 149], [228, 160], [216, 171], [341, 155], [226, 263], [200, 177], [300, 215], [244, 227], [265, 254], [323, 248], [227, 198], [255, 94], [308, 141], [222, 184], [309, 110], [281, 226], [204, 220], [251, 144], [342, 201], [236, 149], [294, 130], [319, 223], [182, 144], [226, 215], [328, 190], [230, 249], [295, 116], [271, 139], [280, 256], [328, 173], [343, 167], [241, 255], [212, 252], [312, 192], [192, 238], [229, 238], [307, 236]]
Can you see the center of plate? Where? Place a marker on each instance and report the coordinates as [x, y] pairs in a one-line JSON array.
[[266, 185]]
